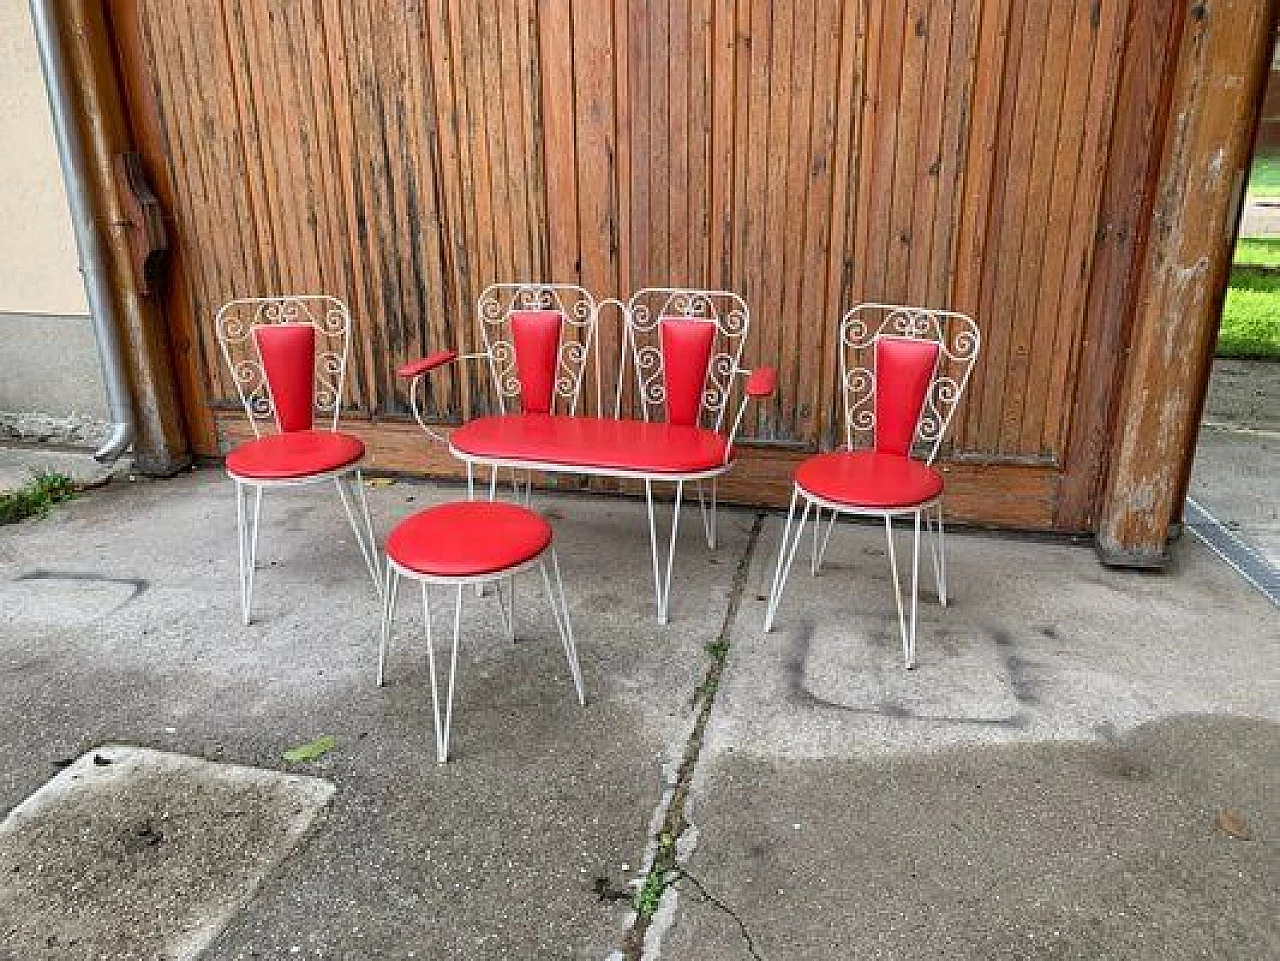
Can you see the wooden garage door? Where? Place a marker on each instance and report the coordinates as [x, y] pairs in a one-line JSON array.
[[402, 154]]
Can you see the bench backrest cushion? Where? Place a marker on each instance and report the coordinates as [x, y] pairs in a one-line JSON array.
[[535, 337], [288, 354], [904, 373], [686, 355]]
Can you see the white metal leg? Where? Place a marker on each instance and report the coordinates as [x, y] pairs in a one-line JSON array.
[[563, 625], [910, 652], [242, 553], [671, 555], [508, 608], [442, 728], [821, 550], [369, 537], [708, 514], [653, 546], [908, 646], [782, 560], [247, 523], [893, 565], [662, 588], [493, 482], [940, 558], [366, 550], [390, 587], [786, 557], [471, 481]]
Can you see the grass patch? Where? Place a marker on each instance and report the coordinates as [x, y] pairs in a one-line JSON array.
[[1251, 316], [1257, 252], [46, 489], [1264, 178]]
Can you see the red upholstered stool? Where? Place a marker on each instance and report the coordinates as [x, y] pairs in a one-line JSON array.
[[471, 542]]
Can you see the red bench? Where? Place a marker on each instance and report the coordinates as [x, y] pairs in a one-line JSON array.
[[683, 349]]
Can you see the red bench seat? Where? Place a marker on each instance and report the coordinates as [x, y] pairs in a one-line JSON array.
[[592, 443]]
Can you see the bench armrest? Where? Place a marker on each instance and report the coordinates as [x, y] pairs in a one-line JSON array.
[[761, 383], [416, 368]]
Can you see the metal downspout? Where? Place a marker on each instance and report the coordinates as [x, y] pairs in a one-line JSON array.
[[89, 245]]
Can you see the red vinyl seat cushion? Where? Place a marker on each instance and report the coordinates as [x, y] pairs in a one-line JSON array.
[[301, 453], [597, 443], [468, 538], [867, 478]]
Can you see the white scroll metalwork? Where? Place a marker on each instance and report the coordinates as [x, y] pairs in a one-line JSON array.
[[234, 325], [642, 346], [958, 339], [578, 337]]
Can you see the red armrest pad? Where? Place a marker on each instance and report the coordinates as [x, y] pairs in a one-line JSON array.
[[430, 362], [762, 382]]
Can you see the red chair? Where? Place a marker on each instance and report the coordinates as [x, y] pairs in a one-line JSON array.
[[903, 371], [288, 357]]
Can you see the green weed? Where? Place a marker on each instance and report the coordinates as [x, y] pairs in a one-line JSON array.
[[46, 489]]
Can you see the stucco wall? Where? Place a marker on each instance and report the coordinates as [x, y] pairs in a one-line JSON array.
[[47, 352], [38, 272]]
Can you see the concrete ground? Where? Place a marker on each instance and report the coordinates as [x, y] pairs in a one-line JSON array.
[[21, 462], [1238, 453], [1050, 782]]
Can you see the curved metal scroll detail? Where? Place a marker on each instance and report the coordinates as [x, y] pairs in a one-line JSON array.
[[578, 340], [643, 315], [234, 325], [959, 341]]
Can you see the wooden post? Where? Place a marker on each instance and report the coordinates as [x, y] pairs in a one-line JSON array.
[[160, 440], [1213, 114]]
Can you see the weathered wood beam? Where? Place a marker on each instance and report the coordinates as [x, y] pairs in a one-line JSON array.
[[1213, 114], [160, 445]]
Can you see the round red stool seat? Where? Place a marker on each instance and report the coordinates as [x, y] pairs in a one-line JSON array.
[[468, 538]]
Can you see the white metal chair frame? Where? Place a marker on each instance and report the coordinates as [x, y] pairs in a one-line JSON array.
[[641, 316], [959, 341], [555, 598], [234, 325]]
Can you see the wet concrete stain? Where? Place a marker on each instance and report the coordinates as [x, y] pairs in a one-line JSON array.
[[138, 584], [1018, 667], [800, 693]]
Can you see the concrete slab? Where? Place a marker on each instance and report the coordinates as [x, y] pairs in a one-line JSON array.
[[1235, 479], [19, 463], [136, 854], [1044, 784], [1062, 850], [1051, 766], [1238, 454], [131, 632]]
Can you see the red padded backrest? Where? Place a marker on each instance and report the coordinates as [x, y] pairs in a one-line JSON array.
[[686, 353], [288, 353], [535, 337], [904, 371]]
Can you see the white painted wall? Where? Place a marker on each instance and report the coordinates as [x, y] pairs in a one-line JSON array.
[[38, 269], [48, 358]]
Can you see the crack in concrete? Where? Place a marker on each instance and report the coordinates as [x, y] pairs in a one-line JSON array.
[[712, 899], [665, 869]]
